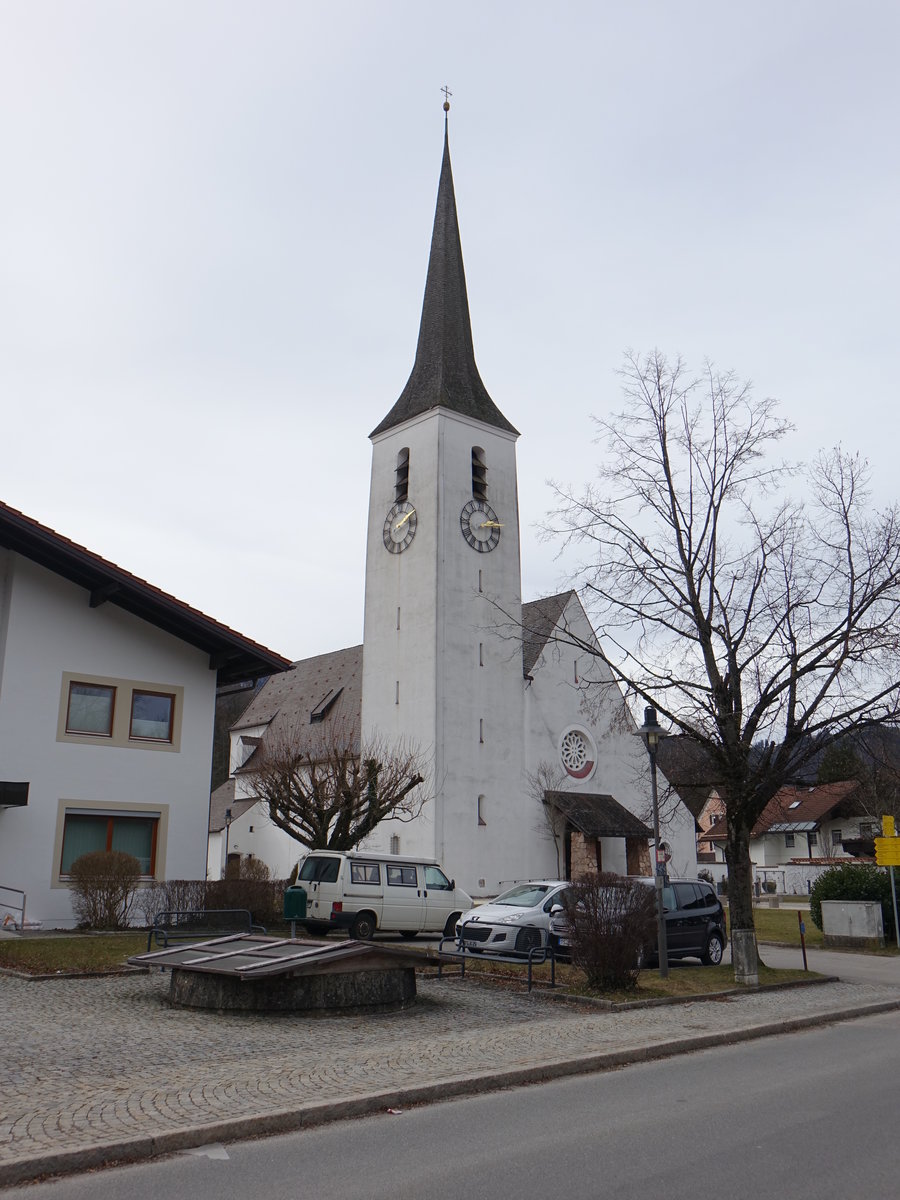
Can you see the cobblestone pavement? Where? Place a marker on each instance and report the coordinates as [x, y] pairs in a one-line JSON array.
[[103, 1068]]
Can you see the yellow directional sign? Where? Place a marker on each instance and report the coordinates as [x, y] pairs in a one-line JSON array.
[[887, 826], [887, 851]]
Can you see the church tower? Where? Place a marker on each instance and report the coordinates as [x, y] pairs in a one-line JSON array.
[[442, 651]]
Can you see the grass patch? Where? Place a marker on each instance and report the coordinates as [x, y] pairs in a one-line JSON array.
[[685, 980], [67, 955], [781, 925]]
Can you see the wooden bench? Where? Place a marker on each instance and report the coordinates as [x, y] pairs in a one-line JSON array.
[[200, 924]]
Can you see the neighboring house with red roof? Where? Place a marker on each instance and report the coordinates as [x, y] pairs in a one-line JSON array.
[[107, 697], [806, 824]]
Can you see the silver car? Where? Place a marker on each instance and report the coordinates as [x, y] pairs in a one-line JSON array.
[[516, 922]]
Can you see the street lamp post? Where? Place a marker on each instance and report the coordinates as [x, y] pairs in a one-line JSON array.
[[651, 735], [227, 833]]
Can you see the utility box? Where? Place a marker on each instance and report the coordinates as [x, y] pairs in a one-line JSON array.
[[853, 923], [295, 903]]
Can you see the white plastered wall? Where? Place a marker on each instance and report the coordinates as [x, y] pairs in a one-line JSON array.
[[51, 629], [571, 687]]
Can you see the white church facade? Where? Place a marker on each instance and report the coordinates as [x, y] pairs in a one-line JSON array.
[[535, 769]]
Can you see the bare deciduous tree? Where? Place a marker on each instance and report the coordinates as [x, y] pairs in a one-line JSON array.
[[755, 604], [330, 794]]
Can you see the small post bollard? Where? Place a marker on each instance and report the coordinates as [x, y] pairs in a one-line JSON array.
[[802, 938]]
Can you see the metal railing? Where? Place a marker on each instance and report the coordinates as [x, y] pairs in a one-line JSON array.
[[20, 908], [461, 953]]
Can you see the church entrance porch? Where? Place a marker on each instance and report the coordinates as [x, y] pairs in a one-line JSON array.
[[592, 819]]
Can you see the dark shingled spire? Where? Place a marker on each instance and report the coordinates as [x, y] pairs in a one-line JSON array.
[[445, 373]]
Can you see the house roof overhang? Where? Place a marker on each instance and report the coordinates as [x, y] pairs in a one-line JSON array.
[[232, 655]]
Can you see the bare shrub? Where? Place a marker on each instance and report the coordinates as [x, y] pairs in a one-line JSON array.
[[612, 922], [104, 887], [247, 885], [172, 895]]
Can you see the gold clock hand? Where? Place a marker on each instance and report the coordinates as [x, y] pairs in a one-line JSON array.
[[491, 525], [403, 520]]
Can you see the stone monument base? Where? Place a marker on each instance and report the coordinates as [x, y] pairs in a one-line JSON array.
[[380, 990]]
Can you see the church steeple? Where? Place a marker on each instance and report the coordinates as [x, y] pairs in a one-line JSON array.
[[444, 374]]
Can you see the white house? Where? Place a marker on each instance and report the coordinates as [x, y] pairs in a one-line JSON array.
[[491, 691], [817, 824], [107, 695]]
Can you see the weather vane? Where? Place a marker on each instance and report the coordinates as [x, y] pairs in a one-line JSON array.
[[447, 95]]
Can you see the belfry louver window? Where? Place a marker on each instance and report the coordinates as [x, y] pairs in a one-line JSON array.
[[479, 474], [401, 476]]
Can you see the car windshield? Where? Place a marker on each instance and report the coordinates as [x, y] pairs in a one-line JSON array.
[[526, 895]]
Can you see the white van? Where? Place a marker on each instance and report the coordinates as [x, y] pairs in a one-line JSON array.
[[364, 892]]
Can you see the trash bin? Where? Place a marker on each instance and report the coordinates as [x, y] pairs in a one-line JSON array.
[[295, 903]]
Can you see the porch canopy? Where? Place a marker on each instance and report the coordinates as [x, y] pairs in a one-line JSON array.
[[597, 816]]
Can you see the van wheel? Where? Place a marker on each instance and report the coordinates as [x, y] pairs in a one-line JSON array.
[[363, 927], [408, 933], [450, 927], [712, 955]]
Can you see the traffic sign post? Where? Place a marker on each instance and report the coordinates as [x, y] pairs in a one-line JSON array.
[[887, 854]]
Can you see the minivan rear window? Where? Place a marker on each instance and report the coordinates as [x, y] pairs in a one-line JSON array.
[[320, 870]]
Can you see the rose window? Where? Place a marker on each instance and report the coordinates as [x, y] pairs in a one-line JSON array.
[[574, 751]]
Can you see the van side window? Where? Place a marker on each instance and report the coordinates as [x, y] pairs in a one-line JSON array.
[[688, 895], [668, 898], [436, 879], [401, 876], [320, 870], [364, 873]]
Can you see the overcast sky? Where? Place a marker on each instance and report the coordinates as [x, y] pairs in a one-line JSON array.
[[214, 228]]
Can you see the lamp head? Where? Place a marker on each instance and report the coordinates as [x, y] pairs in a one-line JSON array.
[[651, 731]]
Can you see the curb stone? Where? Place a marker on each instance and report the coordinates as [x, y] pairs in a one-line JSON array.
[[142, 1148]]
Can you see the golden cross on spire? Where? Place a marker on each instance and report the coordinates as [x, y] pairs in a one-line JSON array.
[[447, 95]]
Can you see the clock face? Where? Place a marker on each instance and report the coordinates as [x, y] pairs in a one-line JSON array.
[[480, 526], [399, 527]]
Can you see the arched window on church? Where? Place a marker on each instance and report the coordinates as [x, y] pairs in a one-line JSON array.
[[401, 476], [479, 474]]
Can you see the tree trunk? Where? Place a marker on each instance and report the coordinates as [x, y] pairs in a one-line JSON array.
[[740, 902]]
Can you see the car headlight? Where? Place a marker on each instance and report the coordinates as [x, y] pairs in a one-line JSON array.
[[512, 919]]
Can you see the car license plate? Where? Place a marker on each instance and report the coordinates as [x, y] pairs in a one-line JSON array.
[[471, 944]]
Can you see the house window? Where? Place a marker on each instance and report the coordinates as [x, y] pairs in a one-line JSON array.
[[836, 837], [90, 710], [135, 713], [152, 716], [813, 839], [480, 811], [866, 829], [84, 833], [789, 841], [479, 474], [395, 843]]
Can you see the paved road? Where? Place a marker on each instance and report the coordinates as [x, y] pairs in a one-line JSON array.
[[809, 1116], [97, 1069]]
